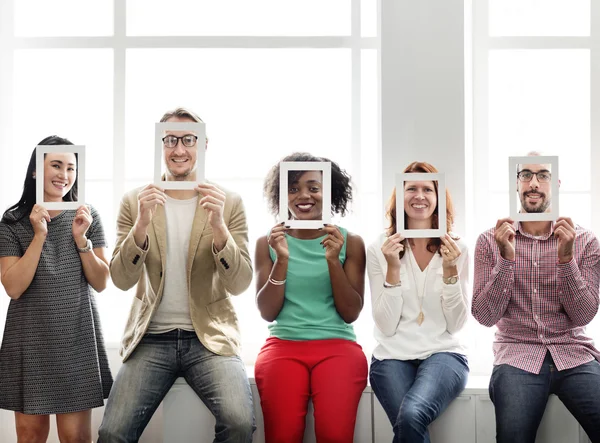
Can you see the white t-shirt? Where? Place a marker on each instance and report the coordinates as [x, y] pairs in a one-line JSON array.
[[395, 310], [174, 309]]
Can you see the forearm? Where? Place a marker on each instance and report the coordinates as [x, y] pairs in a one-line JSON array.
[[348, 302], [220, 236], [140, 233], [125, 270], [492, 292], [19, 276], [270, 297], [578, 296], [454, 306], [95, 270]]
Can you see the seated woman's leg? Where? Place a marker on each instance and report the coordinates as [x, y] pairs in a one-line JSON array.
[[391, 381], [337, 380], [438, 381], [282, 379], [75, 427], [32, 428]]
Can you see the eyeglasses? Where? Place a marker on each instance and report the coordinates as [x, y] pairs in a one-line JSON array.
[[189, 141], [526, 176]]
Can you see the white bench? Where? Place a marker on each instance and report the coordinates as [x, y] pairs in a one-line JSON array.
[[469, 419]]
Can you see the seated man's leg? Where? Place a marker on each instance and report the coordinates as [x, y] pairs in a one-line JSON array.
[[438, 381], [579, 389], [222, 384], [142, 382], [519, 399], [282, 378]]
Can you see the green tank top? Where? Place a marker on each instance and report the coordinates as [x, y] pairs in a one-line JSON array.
[[308, 311]]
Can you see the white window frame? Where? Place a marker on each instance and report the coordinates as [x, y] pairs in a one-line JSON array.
[[119, 42], [483, 43]]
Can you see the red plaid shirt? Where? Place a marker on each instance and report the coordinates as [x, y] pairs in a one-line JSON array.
[[538, 304]]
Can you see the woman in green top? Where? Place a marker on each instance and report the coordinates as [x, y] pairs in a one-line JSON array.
[[310, 285]]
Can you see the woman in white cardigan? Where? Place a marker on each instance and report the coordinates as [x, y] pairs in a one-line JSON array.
[[420, 300]]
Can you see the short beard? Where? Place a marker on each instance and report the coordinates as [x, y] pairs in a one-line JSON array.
[[179, 177], [535, 210]]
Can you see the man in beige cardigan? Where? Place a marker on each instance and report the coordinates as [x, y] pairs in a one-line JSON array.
[[187, 251]]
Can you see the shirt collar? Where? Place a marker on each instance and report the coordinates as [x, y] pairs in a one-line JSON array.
[[517, 226]]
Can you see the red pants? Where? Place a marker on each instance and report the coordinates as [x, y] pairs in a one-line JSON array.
[[331, 372]]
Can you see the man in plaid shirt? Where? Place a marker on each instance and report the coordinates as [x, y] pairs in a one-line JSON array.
[[538, 282]]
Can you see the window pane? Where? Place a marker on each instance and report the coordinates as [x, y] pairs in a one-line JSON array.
[[238, 17], [578, 207], [259, 105], [67, 92], [539, 17], [43, 18], [540, 100], [99, 194], [368, 18]]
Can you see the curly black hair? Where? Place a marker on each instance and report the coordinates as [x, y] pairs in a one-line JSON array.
[[341, 189]]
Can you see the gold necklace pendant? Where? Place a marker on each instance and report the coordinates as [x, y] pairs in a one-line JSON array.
[[420, 318]]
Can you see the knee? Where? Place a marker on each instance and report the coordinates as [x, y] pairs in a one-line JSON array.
[[335, 434], [75, 437], [239, 424], [413, 414], [109, 433], [32, 434]]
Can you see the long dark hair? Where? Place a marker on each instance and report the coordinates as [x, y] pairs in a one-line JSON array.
[[23, 207]]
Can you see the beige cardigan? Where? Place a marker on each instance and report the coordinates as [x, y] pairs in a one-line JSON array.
[[212, 278]]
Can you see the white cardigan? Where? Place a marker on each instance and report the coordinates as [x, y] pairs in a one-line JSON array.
[[395, 310]]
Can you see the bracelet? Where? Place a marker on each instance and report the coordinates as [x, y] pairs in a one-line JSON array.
[[277, 282], [389, 285]]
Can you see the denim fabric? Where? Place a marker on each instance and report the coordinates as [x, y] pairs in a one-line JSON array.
[[146, 377], [414, 393], [520, 398]]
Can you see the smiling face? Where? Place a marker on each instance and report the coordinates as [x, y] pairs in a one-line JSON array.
[[305, 196], [180, 160], [420, 200], [60, 173], [536, 194]]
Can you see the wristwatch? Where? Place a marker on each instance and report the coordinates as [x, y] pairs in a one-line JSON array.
[[450, 280], [87, 248]]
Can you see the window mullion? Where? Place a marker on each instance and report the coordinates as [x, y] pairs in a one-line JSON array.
[[119, 66]]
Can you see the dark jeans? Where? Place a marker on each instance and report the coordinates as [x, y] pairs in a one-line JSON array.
[[146, 377], [414, 393], [520, 398]]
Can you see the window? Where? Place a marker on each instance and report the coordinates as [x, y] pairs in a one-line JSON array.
[[533, 90], [268, 77]]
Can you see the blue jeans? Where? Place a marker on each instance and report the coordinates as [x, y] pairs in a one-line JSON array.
[[413, 393], [520, 398], [146, 377]]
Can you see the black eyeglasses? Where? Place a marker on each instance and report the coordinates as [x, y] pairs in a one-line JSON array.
[[189, 141], [526, 176]]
